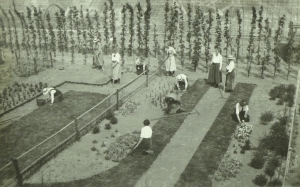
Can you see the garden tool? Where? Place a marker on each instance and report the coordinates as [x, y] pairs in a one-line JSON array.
[[196, 112]]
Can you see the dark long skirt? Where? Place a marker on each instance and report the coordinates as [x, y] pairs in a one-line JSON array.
[[215, 75], [241, 114], [58, 96], [145, 145], [229, 81]]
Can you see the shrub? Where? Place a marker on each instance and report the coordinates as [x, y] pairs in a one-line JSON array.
[[270, 170], [274, 162], [257, 161], [93, 149], [246, 146], [277, 92], [275, 183], [228, 168], [113, 120], [107, 126], [266, 117], [260, 180], [109, 115], [96, 130]]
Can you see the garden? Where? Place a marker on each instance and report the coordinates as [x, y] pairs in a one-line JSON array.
[[54, 48]]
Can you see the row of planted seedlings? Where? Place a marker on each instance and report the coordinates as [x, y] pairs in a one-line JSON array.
[[271, 152], [16, 94]]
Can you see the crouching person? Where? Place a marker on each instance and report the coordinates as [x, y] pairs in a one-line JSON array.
[[181, 82], [144, 145], [173, 104], [54, 95]]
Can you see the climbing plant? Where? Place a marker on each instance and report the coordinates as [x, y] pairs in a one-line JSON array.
[[131, 28], [267, 49], [147, 16], [260, 28], [227, 32], [112, 22], [290, 48], [181, 40], [139, 27], [166, 26], [197, 38], [239, 35], [277, 40], [123, 32], [218, 32], [250, 47], [106, 31]]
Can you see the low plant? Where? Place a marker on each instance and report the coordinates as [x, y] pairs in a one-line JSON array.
[[243, 131], [275, 183], [277, 92], [260, 180], [109, 115], [113, 120], [94, 141], [228, 168], [270, 170], [274, 162], [266, 117], [107, 126], [96, 130], [119, 149], [247, 145], [93, 149], [257, 161]]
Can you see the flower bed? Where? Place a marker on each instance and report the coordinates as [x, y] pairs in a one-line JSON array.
[[210, 152], [243, 131]]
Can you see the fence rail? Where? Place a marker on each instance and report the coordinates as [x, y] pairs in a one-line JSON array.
[[111, 103]]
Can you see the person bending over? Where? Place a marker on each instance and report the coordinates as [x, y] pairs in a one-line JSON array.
[[55, 95], [181, 82], [241, 112]]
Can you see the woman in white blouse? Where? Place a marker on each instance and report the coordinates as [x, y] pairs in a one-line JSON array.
[[170, 63], [181, 82], [116, 67], [229, 74], [215, 73], [241, 112]]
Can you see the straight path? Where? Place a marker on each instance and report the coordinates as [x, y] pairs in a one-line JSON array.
[[172, 161]]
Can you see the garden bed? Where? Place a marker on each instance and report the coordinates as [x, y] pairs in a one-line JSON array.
[[210, 152], [130, 169], [38, 125]]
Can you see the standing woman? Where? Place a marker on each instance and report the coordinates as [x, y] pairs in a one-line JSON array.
[[170, 63], [55, 95], [229, 74], [215, 74], [116, 67], [98, 55]]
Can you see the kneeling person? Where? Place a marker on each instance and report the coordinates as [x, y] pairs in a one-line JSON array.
[[54, 95], [145, 142], [181, 82], [173, 104]]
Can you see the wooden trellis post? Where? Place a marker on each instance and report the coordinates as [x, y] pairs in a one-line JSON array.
[[19, 176]]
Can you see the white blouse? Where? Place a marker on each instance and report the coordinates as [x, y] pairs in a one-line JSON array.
[[146, 132], [230, 66], [171, 51], [217, 58], [115, 57], [239, 108]]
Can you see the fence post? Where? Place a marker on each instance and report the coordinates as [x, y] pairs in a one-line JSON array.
[[77, 130], [117, 94], [19, 176], [147, 78]]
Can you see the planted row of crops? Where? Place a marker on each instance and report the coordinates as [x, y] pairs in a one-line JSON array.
[[70, 32]]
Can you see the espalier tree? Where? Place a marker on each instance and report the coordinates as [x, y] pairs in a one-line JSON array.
[[189, 32], [112, 22], [267, 49], [207, 37], [84, 44], [59, 27], [277, 40], [23, 26], [139, 27], [181, 35], [123, 33], [239, 35], [227, 33], [90, 30], [156, 44], [166, 28], [105, 28], [97, 26], [290, 48], [250, 47], [44, 34], [218, 32], [260, 28], [32, 32], [52, 44], [17, 46], [77, 27], [147, 16], [197, 38], [3, 33], [71, 33], [10, 44], [38, 27], [173, 25], [131, 28]]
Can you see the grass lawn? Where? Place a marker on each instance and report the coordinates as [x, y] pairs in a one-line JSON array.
[[210, 152], [35, 127], [132, 167]]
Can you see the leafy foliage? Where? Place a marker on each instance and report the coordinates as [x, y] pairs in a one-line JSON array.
[[238, 38], [228, 168], [147, 16], [277, 40], [267, 117], [260, 180], [290, 47], [197, 41], [250, 47]]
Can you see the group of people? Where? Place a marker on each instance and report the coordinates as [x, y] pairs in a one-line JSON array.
[[172, 100]]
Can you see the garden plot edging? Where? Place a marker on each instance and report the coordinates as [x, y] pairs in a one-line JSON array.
[[184, 143]]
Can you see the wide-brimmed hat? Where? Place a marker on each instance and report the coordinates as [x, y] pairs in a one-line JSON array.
[[96, 40], [46, 91], [244, 102], [230, 57]]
